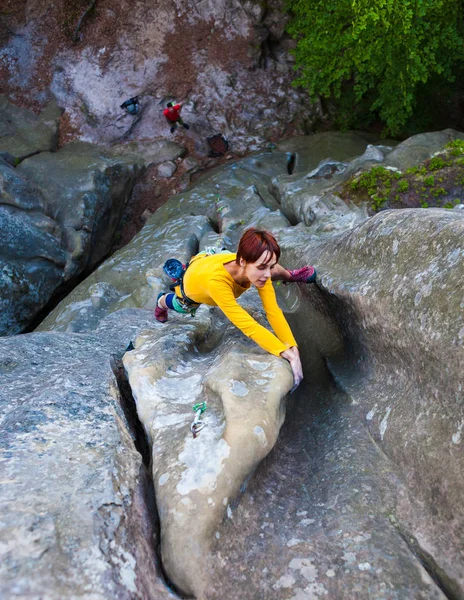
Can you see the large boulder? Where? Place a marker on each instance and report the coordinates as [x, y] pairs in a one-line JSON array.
[[394, 285], [87, 193], [78, 517], [61, 211], [23, 133], [197, 477], [32, 255], [361, 494]]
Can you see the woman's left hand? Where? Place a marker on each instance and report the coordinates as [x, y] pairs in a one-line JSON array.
[[293, 357]]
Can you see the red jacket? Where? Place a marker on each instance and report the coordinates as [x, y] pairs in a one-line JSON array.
[[172, 113]]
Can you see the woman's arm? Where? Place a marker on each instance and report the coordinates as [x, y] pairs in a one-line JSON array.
[[293, 357], [222, 295], [275, 316]]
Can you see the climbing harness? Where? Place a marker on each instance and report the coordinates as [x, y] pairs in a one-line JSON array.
[[132, 105], [176, 271], [198, 424]]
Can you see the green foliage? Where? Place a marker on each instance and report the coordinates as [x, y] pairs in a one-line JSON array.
[[438, 192], [456, 147], [436, 163], [403, 186], [377, 53], [430, 180]]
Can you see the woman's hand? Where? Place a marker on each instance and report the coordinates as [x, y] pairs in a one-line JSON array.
[[293, 357]]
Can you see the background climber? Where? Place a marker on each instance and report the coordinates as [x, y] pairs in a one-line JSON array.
[[172, 114]]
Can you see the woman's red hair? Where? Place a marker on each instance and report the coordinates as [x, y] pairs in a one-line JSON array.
[[254, 242]]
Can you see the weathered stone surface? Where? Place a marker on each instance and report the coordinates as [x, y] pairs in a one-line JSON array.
[[312, 199], [365, 488], [395, 286], [59, 211], [315, 522], [87, 193], [23, 133], [228, 199], [419, 147], [167, 169], [77, 510], [310, 150], [147, 153], [32, 256], [227, 61], [172, 369]]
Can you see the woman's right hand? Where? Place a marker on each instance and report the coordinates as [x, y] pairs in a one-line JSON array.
[[293, 357]]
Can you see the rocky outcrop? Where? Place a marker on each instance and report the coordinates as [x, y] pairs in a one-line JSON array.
[[23, 134], [77, 505], [32, 256], [60, 212], [360, 496], [197, 478]]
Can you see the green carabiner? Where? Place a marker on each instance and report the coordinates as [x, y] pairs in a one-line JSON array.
[[200, 406]]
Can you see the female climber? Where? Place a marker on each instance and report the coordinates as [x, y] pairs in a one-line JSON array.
[[219, 279]]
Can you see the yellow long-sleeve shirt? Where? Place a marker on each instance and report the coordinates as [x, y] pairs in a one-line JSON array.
[[207, 281]]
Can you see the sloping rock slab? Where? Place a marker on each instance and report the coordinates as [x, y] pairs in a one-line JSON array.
[[196, 478], [23, 133], [77, 511], [32, 256], [395, 285], [86, 192]]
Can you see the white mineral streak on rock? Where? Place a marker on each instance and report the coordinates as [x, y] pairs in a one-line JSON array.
[[395, 246], [330, 573], [258, 365], [384, 422], [163, 479], [349, 557], [204, 458], [261, 435], [178, 389], [293, 542], [457, 436], [285, 581], [370, 414], [364, 566], [238, 388], [305, 567]]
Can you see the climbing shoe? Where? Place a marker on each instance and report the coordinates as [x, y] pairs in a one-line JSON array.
[[173, 128], [304, 275], [161, 314]]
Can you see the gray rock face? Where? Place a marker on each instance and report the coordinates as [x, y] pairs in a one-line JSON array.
[[75, 497], [396, 287], [196, 477], [22, 133], [59, 211], [361, 495], [227, 61], [86, 193], [32, 256]]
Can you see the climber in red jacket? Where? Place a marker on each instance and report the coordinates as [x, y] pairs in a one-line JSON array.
[[172, 114]]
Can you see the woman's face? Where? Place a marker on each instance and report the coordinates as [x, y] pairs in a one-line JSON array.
[[260, 271]]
